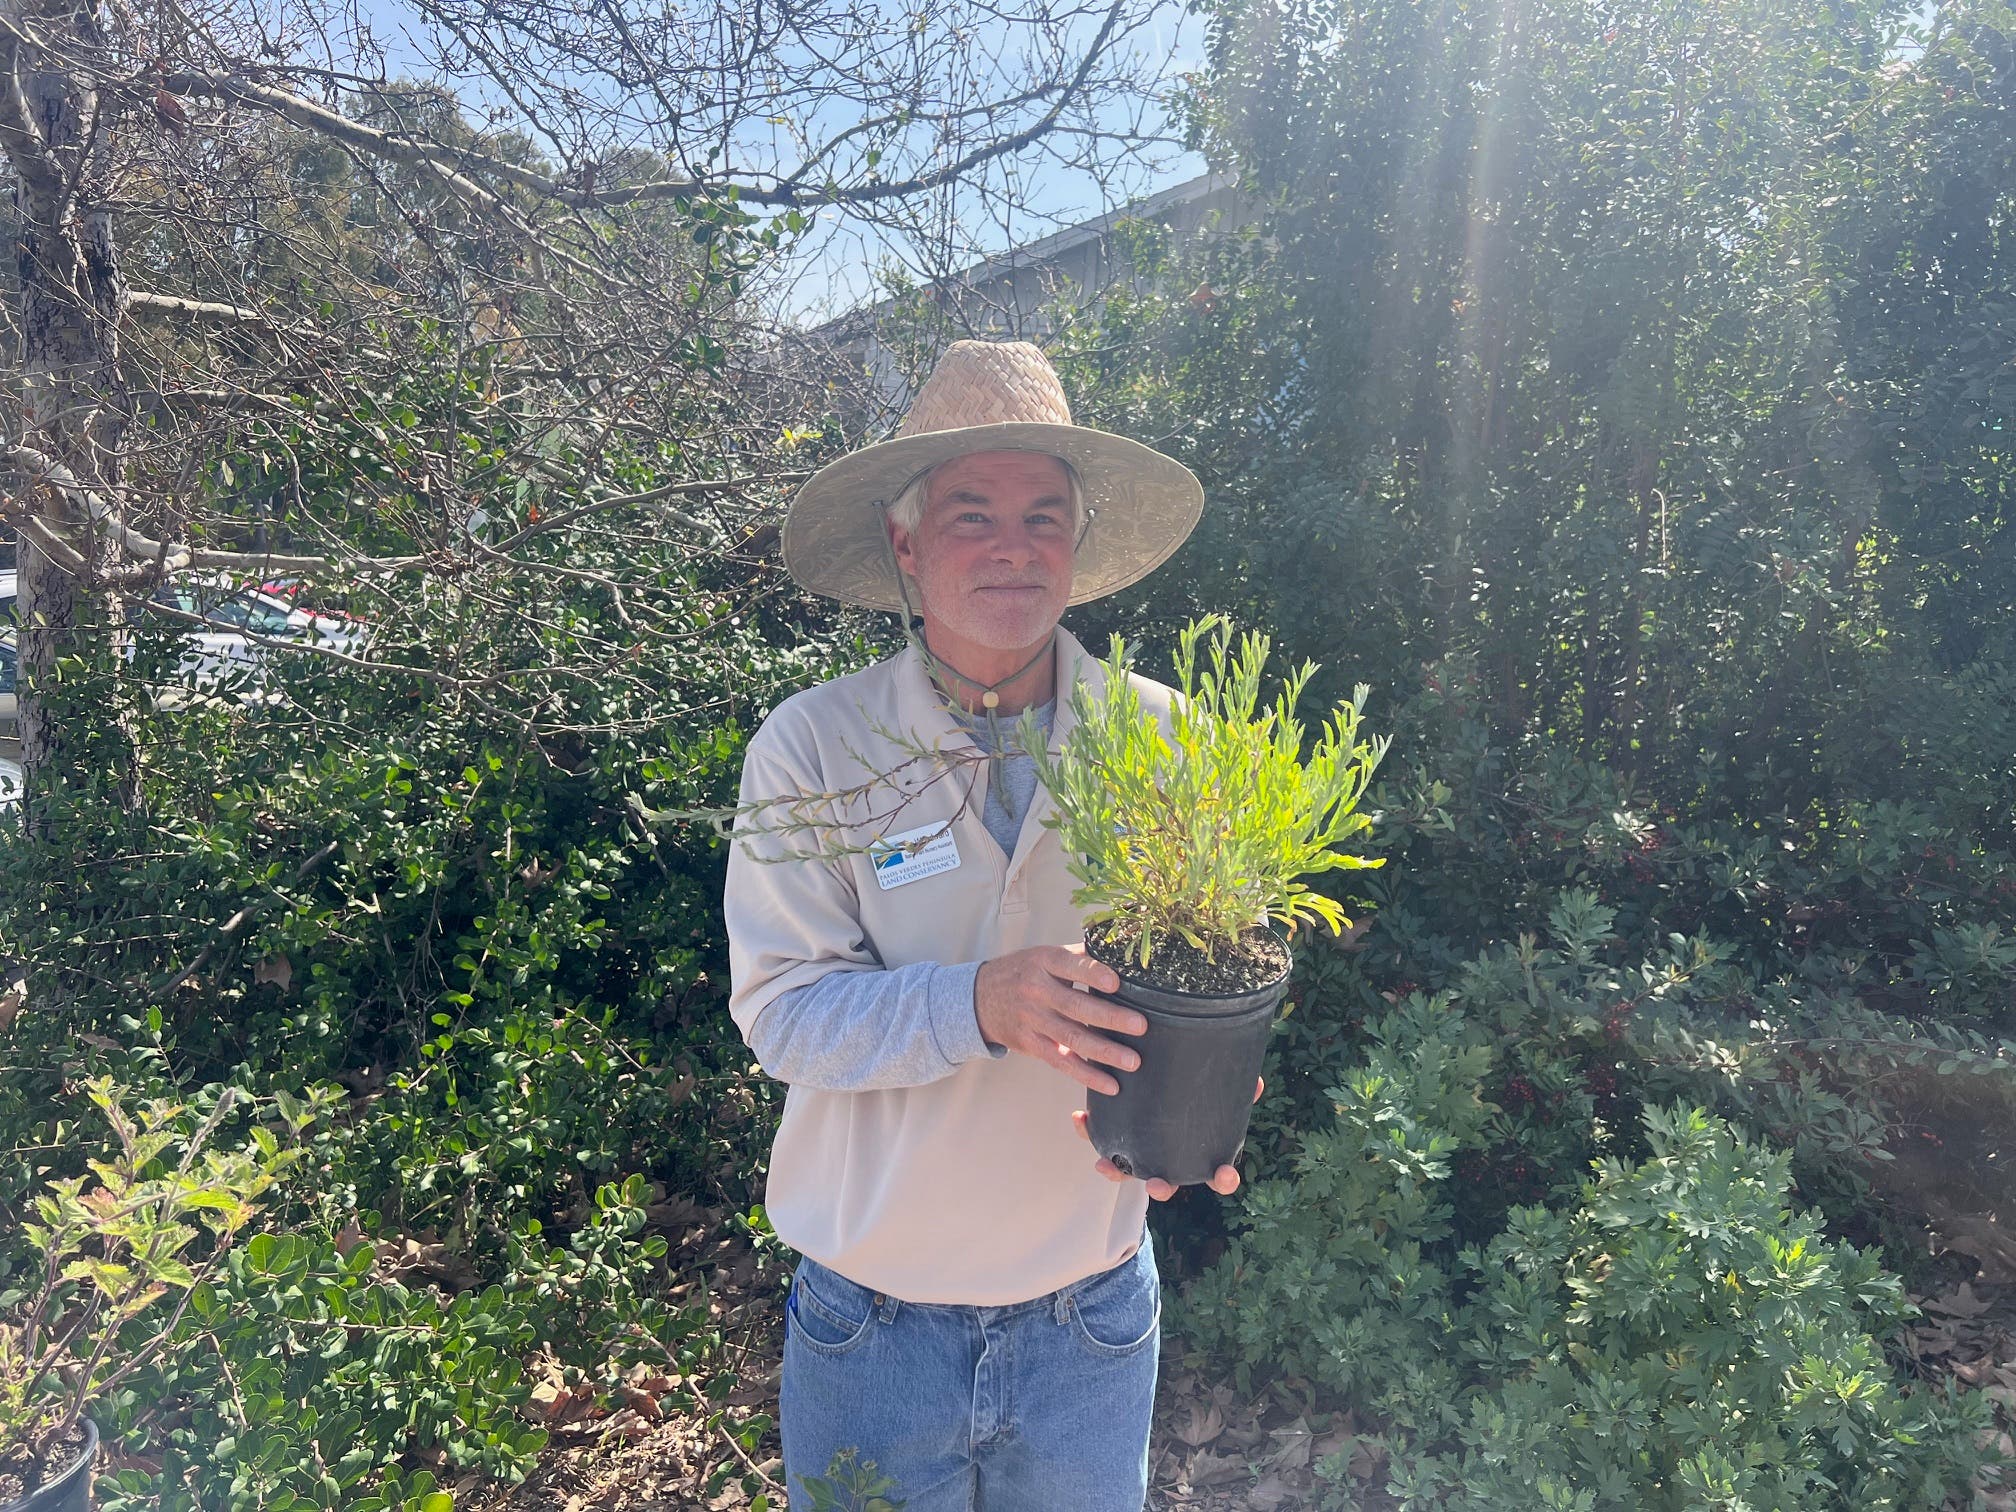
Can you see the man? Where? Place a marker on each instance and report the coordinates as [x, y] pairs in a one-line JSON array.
[[978, 1310]]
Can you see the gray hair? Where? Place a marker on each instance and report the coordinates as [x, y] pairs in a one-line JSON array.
[[907, 508]]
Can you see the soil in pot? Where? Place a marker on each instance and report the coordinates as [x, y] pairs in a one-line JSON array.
[[58, 1481], [1183, 1112], [1251, 962]]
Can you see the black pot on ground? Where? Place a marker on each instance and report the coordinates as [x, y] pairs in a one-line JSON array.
[[1183, 1112], [70, 1489]]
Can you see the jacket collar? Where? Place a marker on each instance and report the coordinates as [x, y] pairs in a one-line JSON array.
[[928, 712]]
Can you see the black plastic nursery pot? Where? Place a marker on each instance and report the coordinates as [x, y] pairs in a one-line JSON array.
[[1183, 1112], [69, 1491]]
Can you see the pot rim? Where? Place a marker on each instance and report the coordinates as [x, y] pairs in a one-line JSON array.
[[55, 1483]]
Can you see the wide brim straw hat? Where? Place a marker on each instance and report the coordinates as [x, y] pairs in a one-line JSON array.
[[990, 396]]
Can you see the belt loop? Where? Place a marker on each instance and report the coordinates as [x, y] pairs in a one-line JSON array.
[[885, 1307], [1063, 1309]]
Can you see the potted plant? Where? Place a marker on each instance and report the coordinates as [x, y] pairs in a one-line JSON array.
[[1190, 842], [111, 1248]]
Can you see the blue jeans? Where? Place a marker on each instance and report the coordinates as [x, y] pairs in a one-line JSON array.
[[1039, 1406]]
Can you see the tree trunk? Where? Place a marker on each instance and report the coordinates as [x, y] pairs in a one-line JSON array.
[[1624, 727], [74, 411]]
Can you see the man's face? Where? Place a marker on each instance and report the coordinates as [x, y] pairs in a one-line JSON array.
[[991, 554]]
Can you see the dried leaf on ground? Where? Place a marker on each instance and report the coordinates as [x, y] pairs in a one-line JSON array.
[[1961, 1304], [1206, 1422], [1274, 1493], [1368, 1459], [1292, 1445], [1208, 1469], [1339, 1437]]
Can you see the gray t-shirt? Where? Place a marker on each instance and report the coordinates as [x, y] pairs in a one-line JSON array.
[[1013, 788]]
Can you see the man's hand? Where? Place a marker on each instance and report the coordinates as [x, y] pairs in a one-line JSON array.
[[1026, 1001], [1224, 1181]]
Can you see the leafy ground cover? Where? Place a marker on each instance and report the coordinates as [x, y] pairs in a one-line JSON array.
[[1218, 1449]]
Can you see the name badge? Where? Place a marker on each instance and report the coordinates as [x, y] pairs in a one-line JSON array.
[[900, 859]]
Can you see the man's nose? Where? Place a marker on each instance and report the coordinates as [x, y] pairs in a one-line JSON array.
[[1014, 543]]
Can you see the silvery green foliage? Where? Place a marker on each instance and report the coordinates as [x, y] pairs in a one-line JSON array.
[[1206, 827]]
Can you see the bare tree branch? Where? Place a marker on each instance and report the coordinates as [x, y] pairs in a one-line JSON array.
[[792, 192], [497, 382], [173, 306]]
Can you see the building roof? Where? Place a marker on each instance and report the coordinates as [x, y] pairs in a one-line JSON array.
[[1054, 246]]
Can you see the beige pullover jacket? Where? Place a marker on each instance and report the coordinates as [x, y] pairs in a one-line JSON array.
[[974, 1187]]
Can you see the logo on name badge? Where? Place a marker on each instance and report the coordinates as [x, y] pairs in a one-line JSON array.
[[901, 859]]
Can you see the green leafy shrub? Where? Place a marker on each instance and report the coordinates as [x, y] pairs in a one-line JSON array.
[[309, 1369], [1420, 1137], [1685, 1338], [373, 883], [1333, 1274], [1782, 976], [119, 1262], [1560, 1018], [524, 1112], [1681, 604], [1674, 1335]]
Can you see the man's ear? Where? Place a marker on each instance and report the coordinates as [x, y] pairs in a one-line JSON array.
[[903, 543]]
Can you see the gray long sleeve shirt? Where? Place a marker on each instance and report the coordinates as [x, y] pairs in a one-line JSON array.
[[860, 1031]]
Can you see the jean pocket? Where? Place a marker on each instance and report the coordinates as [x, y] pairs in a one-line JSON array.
[[1121, 1312], [832, 1315]]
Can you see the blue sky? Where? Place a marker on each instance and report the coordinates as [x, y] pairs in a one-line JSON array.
[[835, 262]]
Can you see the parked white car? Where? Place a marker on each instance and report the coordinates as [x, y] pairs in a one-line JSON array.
[[238, 624], [238, 619]]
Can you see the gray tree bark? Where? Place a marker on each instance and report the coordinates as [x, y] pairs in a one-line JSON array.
[[74, 407]]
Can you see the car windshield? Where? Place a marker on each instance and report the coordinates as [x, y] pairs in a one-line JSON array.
[[240, 611]]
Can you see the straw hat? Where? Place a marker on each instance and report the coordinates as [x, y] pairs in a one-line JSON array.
[[990, 396]]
